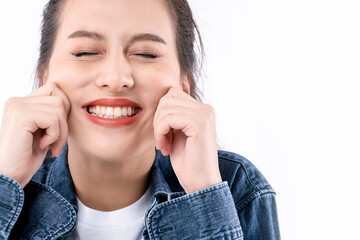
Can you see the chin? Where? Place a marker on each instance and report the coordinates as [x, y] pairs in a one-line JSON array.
[[111, 150], [111, 146]]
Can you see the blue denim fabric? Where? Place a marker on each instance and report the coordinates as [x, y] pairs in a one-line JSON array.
[[241, 207]]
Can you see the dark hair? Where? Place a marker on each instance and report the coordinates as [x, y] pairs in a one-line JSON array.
[[49, 28], [186, 32]]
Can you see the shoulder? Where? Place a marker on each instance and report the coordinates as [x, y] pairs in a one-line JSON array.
[[246, 182]]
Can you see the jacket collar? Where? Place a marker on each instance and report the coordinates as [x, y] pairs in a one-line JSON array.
[[59, 178], [161, 174], [164, 182], [50, 208]]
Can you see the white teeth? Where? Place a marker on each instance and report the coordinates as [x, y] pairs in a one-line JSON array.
[[102, 110], [117, 112], [111, 112], [124, 111]]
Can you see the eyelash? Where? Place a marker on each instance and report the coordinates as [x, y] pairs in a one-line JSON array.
[[145, 55], [80, 54]]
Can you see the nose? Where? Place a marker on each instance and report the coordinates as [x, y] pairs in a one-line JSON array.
[[115, 74]]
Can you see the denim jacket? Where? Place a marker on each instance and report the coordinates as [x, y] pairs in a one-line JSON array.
[[241, 207]]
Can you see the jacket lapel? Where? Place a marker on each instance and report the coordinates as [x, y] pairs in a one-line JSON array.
[[49, 210]]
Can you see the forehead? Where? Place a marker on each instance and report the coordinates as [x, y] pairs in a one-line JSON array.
[[118, 17]]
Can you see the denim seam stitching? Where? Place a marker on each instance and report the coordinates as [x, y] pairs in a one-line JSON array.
[[179, 199], [148, 221], [248, 178], [59, 197], [42, 170], [192, 195], [252, 197], [20, 195], [235, 233], [247, 175]]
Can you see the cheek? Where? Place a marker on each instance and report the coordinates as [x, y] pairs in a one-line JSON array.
[[70, 77], [154, 81]]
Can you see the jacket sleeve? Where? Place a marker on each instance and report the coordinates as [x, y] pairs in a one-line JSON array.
[[11, 202], [259, 218], [206, 214]]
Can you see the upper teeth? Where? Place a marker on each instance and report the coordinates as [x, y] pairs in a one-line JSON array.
[[111, 112]]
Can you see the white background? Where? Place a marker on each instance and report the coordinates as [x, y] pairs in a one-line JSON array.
[[284, 79]]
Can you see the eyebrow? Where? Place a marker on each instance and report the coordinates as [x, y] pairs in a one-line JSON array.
[[86, 34], [135, 38], [146, 37]]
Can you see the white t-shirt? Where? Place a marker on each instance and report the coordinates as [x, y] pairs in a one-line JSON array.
[[126, 223]]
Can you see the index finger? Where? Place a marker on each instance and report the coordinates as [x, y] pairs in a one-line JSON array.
[[52, 89]]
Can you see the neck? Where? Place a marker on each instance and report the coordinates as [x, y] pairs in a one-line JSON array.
[[108, 186]]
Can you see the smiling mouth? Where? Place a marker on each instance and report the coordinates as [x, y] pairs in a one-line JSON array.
[[113, 112]]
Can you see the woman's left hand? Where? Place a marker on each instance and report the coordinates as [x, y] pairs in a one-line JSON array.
[[185, 129]]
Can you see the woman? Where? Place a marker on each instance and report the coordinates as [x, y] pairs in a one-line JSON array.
[[116, 80]]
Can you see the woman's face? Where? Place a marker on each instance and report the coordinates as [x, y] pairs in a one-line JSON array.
[[131, 54]]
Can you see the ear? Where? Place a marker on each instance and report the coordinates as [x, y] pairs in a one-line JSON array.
[[185, 84]]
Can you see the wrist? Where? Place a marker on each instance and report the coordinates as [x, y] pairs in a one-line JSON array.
[[19, 180], [202, 184]]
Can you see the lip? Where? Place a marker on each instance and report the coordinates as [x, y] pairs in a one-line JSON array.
[[112, 102]]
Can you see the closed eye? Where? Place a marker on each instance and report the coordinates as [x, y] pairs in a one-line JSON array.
[[147, 55], [80, 54]]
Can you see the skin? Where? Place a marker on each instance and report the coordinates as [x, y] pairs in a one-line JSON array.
[[110, 165]]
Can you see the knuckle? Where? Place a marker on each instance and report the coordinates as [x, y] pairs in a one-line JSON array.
[[209, 110], [10, 102], [13, 108], [209, 113]]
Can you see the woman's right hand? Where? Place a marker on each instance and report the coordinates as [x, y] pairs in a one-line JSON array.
[[29, 126]]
